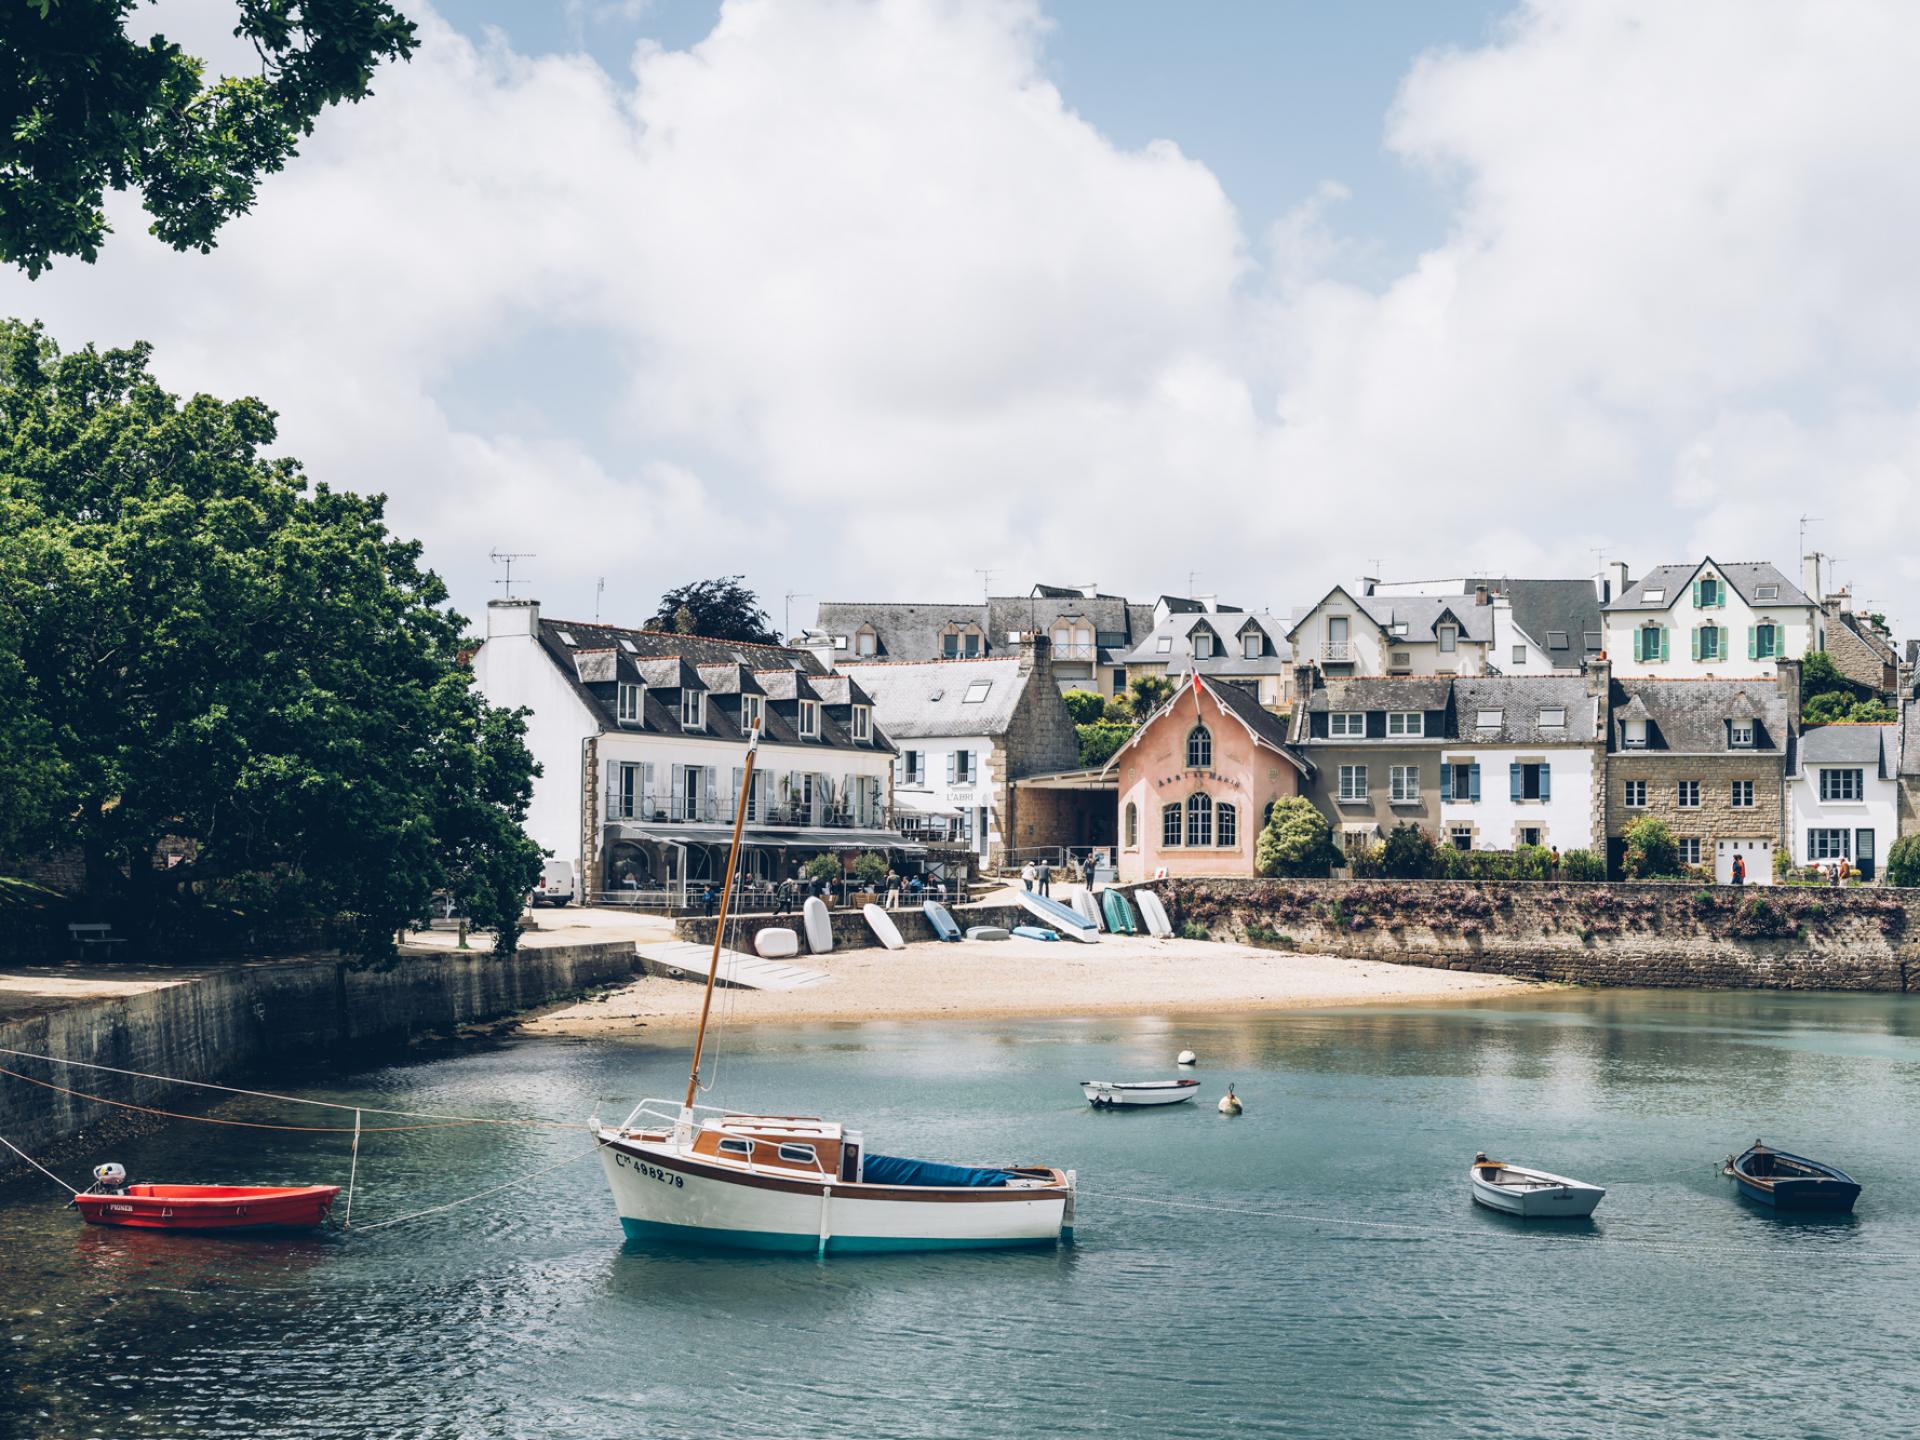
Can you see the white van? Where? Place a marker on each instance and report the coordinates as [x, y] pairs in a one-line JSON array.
[[555, 885]]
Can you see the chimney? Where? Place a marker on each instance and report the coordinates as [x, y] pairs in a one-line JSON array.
[[1615, 582], [1599, 675], [1786, 678], [1036, 655], [1480, 596], [1369, 583], [1810, 575], [512, 617]]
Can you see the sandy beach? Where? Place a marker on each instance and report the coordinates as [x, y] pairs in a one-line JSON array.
[[1032, 978]]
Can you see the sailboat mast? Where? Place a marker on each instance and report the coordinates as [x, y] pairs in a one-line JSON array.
[[720, 926]]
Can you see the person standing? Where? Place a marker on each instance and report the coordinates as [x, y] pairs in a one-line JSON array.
[[893, 890], [1739, 870], [1044, 878], [1027, 875]]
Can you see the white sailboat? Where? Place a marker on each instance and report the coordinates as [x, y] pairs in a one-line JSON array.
[[699, 1174]]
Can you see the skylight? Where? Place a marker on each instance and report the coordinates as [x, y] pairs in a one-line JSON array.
[[1556, 639], [567, 639], [1554, 719], [1766, 592], [1165, 644], [628, 646], [1653, 597], [976, 692], [1489, 719]]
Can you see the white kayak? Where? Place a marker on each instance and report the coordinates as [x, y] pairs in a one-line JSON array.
[[1533, 1194], [1102, 1094]]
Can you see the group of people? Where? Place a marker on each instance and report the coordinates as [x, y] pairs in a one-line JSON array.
[[1038, 878]]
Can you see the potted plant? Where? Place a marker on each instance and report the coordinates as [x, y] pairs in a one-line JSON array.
[[870, 873]]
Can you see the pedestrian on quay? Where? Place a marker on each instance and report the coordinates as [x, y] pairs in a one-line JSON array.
[[1044, 878], [893, 890], [1739, 870], [1028, 875], [783, 901], [709, 898]]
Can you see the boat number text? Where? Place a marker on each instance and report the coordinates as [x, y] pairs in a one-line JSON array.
[[665, 1177]]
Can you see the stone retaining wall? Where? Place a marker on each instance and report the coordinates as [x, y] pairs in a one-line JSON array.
[[226, 1024], [850, 928], [1691, 936]]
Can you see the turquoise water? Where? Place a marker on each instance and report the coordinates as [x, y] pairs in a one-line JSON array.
[[1680, 1311]]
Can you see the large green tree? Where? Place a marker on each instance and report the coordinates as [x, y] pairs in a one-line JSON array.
[[85, 107], [1296, 840], [217, 657], [722, 609]]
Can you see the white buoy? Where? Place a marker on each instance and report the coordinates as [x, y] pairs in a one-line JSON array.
[[1230, 1103], [1187, 1057]]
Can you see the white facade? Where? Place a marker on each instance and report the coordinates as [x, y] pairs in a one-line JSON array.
[[1700, 626], [1539, 794], [1342, 637], [1824, 830], [946, 779]]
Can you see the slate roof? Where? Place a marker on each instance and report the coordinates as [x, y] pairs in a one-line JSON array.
[[1421, 613], [1027, 613], [1745, 576], [1228, 626], [903, 630], [1520, 699], [910, 630], [1382, 692], [1553, 607], [1262, 721], [699, 649], [1689, 717], [1875, 746], [928, 700]]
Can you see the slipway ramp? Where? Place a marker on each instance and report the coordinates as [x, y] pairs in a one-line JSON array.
[[683, 960]]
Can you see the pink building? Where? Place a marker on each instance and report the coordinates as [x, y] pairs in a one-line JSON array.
[[1196, 782]]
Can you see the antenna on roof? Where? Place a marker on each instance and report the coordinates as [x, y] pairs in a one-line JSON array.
[[786, 633], [1805, 520], [506, 558], [986, 582], [599, 589]]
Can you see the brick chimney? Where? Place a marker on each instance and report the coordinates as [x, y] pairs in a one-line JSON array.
[[1036, 655], [1599, 674], [1480, 595]]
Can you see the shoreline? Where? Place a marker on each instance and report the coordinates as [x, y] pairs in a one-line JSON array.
[[1024, 980]]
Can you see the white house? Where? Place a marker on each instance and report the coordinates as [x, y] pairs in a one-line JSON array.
[[1844, 796], [1519, 763], [1361, 635], [1235, 647], [641, 739], [1540, 627], [1710, 621]]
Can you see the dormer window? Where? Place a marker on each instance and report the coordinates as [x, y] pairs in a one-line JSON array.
[[863, 722], [1250, 645], [866, 642], [1709, 593], [1348, 723], [753, 713], [1398, 627], [631, 699], [809, 719], [1740, 734], [1406, 722], [1202, 645], [693, 709], [1449, 637], [1635, 735]]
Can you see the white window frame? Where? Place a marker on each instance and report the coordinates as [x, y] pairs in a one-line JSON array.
[[809, 719], [863, 722], [1199, 806], [1203, 645], [1633, 795], [632, 702], [1553, 717], [963, 767], [1821, 843], [1403, 784], [1353, 784], [1842, 785], [753, 713], [1164, 645], [1133, 826], [1740, 735], [913, 763], [1740, 794], [1251, 646], [1653, 597], [1519, 654], [1449, 638], [866, 642], [1633, 734], [977, 692], [1347, 725], [1688, 849], [1173, 825], [1200, 748], [693, 709], [1412, 722], [1766, 592], [1489, 719], [1686, 794]]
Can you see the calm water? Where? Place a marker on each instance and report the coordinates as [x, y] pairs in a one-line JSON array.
[[1681, 1311]]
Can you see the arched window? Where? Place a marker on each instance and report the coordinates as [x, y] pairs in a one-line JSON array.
[[1170, 824], [1133, 826], [1226, 827], [1200, 819], [1199, 748]]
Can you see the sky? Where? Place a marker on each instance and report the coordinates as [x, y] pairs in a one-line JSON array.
[[861, 298]]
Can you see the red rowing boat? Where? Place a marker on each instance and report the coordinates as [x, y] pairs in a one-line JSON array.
[[209, 1207]]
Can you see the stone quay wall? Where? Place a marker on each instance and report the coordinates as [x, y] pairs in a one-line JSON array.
[[1685, 936], [245, 1020]]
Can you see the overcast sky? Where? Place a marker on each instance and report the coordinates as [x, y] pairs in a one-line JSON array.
[[859, 299]]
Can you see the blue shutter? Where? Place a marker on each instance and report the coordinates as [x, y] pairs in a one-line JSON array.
[[1546, 781], [1473, 781], [1446, 783], [1513, 782]]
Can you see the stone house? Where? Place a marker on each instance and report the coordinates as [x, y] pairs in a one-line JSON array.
[[1195, 783], [1373, 747], [1907, 786], [1858, 648], [1844, 796], [964, 732], [1711, 759], [641, 738]]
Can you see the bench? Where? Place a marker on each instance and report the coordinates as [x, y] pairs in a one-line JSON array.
[[85, 936]]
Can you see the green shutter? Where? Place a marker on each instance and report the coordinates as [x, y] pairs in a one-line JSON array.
[[1696, 594], [1753, 643], [1696, 640], [1663, 642], [1636, 644]]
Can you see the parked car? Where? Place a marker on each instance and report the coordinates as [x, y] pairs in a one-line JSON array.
[[555, 885]]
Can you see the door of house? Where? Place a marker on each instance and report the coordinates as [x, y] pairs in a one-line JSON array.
[[1757, 853], [1863, 853]]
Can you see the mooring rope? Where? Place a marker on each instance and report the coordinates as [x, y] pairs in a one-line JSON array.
[[37, 1165], [353, 1169], [469, 1199]]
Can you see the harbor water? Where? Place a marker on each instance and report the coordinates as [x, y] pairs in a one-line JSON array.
[[1313, 1267]]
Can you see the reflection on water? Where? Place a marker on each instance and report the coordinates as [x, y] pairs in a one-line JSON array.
[[1265, 1310]]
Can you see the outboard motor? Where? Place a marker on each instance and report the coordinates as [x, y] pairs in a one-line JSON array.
[[110, 1178]]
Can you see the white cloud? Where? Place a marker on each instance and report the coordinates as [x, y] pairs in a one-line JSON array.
[[866, 305]]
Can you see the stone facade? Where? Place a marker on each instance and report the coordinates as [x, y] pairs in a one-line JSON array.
[[1716, 817], [1867, 662], [1685, 936]]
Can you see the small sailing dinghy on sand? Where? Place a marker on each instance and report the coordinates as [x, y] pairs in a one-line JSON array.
[[1791, 1182], [698, 1174], [1532, 1194], [1109, 1094], [111, 1201]]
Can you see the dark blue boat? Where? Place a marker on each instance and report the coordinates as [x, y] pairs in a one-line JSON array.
[[1792, 1182]]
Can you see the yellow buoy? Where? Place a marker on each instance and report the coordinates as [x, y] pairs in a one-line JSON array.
[[1230, 1103]]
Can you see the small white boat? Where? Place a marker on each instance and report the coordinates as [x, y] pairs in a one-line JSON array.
[[1102, 1094], [1532, 1194]]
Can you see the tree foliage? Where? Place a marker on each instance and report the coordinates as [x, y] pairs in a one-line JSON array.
[[84, 107], [1651, 852], [720, 609], [1296, 841], [1829, 697], [1407, 853], [216, 657], [1903, 861], [1098, 742], [1147, 693], [1084, 706]]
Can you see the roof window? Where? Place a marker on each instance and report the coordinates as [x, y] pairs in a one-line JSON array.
[[1553, 719], [976, 692], [1766, 592], [1556, 640], [628, 646], [1489, 719], [1653, 597], [566, 638]]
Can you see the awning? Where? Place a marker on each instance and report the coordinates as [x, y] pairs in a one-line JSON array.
[[922, 802], [821, 838]]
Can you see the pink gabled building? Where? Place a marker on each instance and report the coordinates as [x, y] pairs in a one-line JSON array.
[[1197, 780]]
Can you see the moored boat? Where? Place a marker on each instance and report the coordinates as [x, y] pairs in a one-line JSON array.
[[1791, 1182], [208, 1207], [703, 1175], [1532, 1194], [1105, 1094]]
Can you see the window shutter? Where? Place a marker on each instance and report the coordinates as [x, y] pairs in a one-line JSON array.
[[613, 786], [953, 765], [738, 798], [1753, 643], [1696, 594], [1513, 782], [679, 789], [1637, 633], [1696, 640], [1546, 782], [1663, 642], [1473, 781], [712, 774], [1446, 783]]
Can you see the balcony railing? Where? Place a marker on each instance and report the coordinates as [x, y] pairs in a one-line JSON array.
[[1076, 652], [655, 808], [1339, 650]]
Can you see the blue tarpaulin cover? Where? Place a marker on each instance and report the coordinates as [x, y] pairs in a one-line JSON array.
[[892, 1170]]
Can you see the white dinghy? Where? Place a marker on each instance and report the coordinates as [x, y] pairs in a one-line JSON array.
[[1107, 1094], [1532, 1194], [698, 1174]]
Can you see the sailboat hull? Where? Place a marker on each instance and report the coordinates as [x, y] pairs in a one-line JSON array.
[[663, 1194]]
